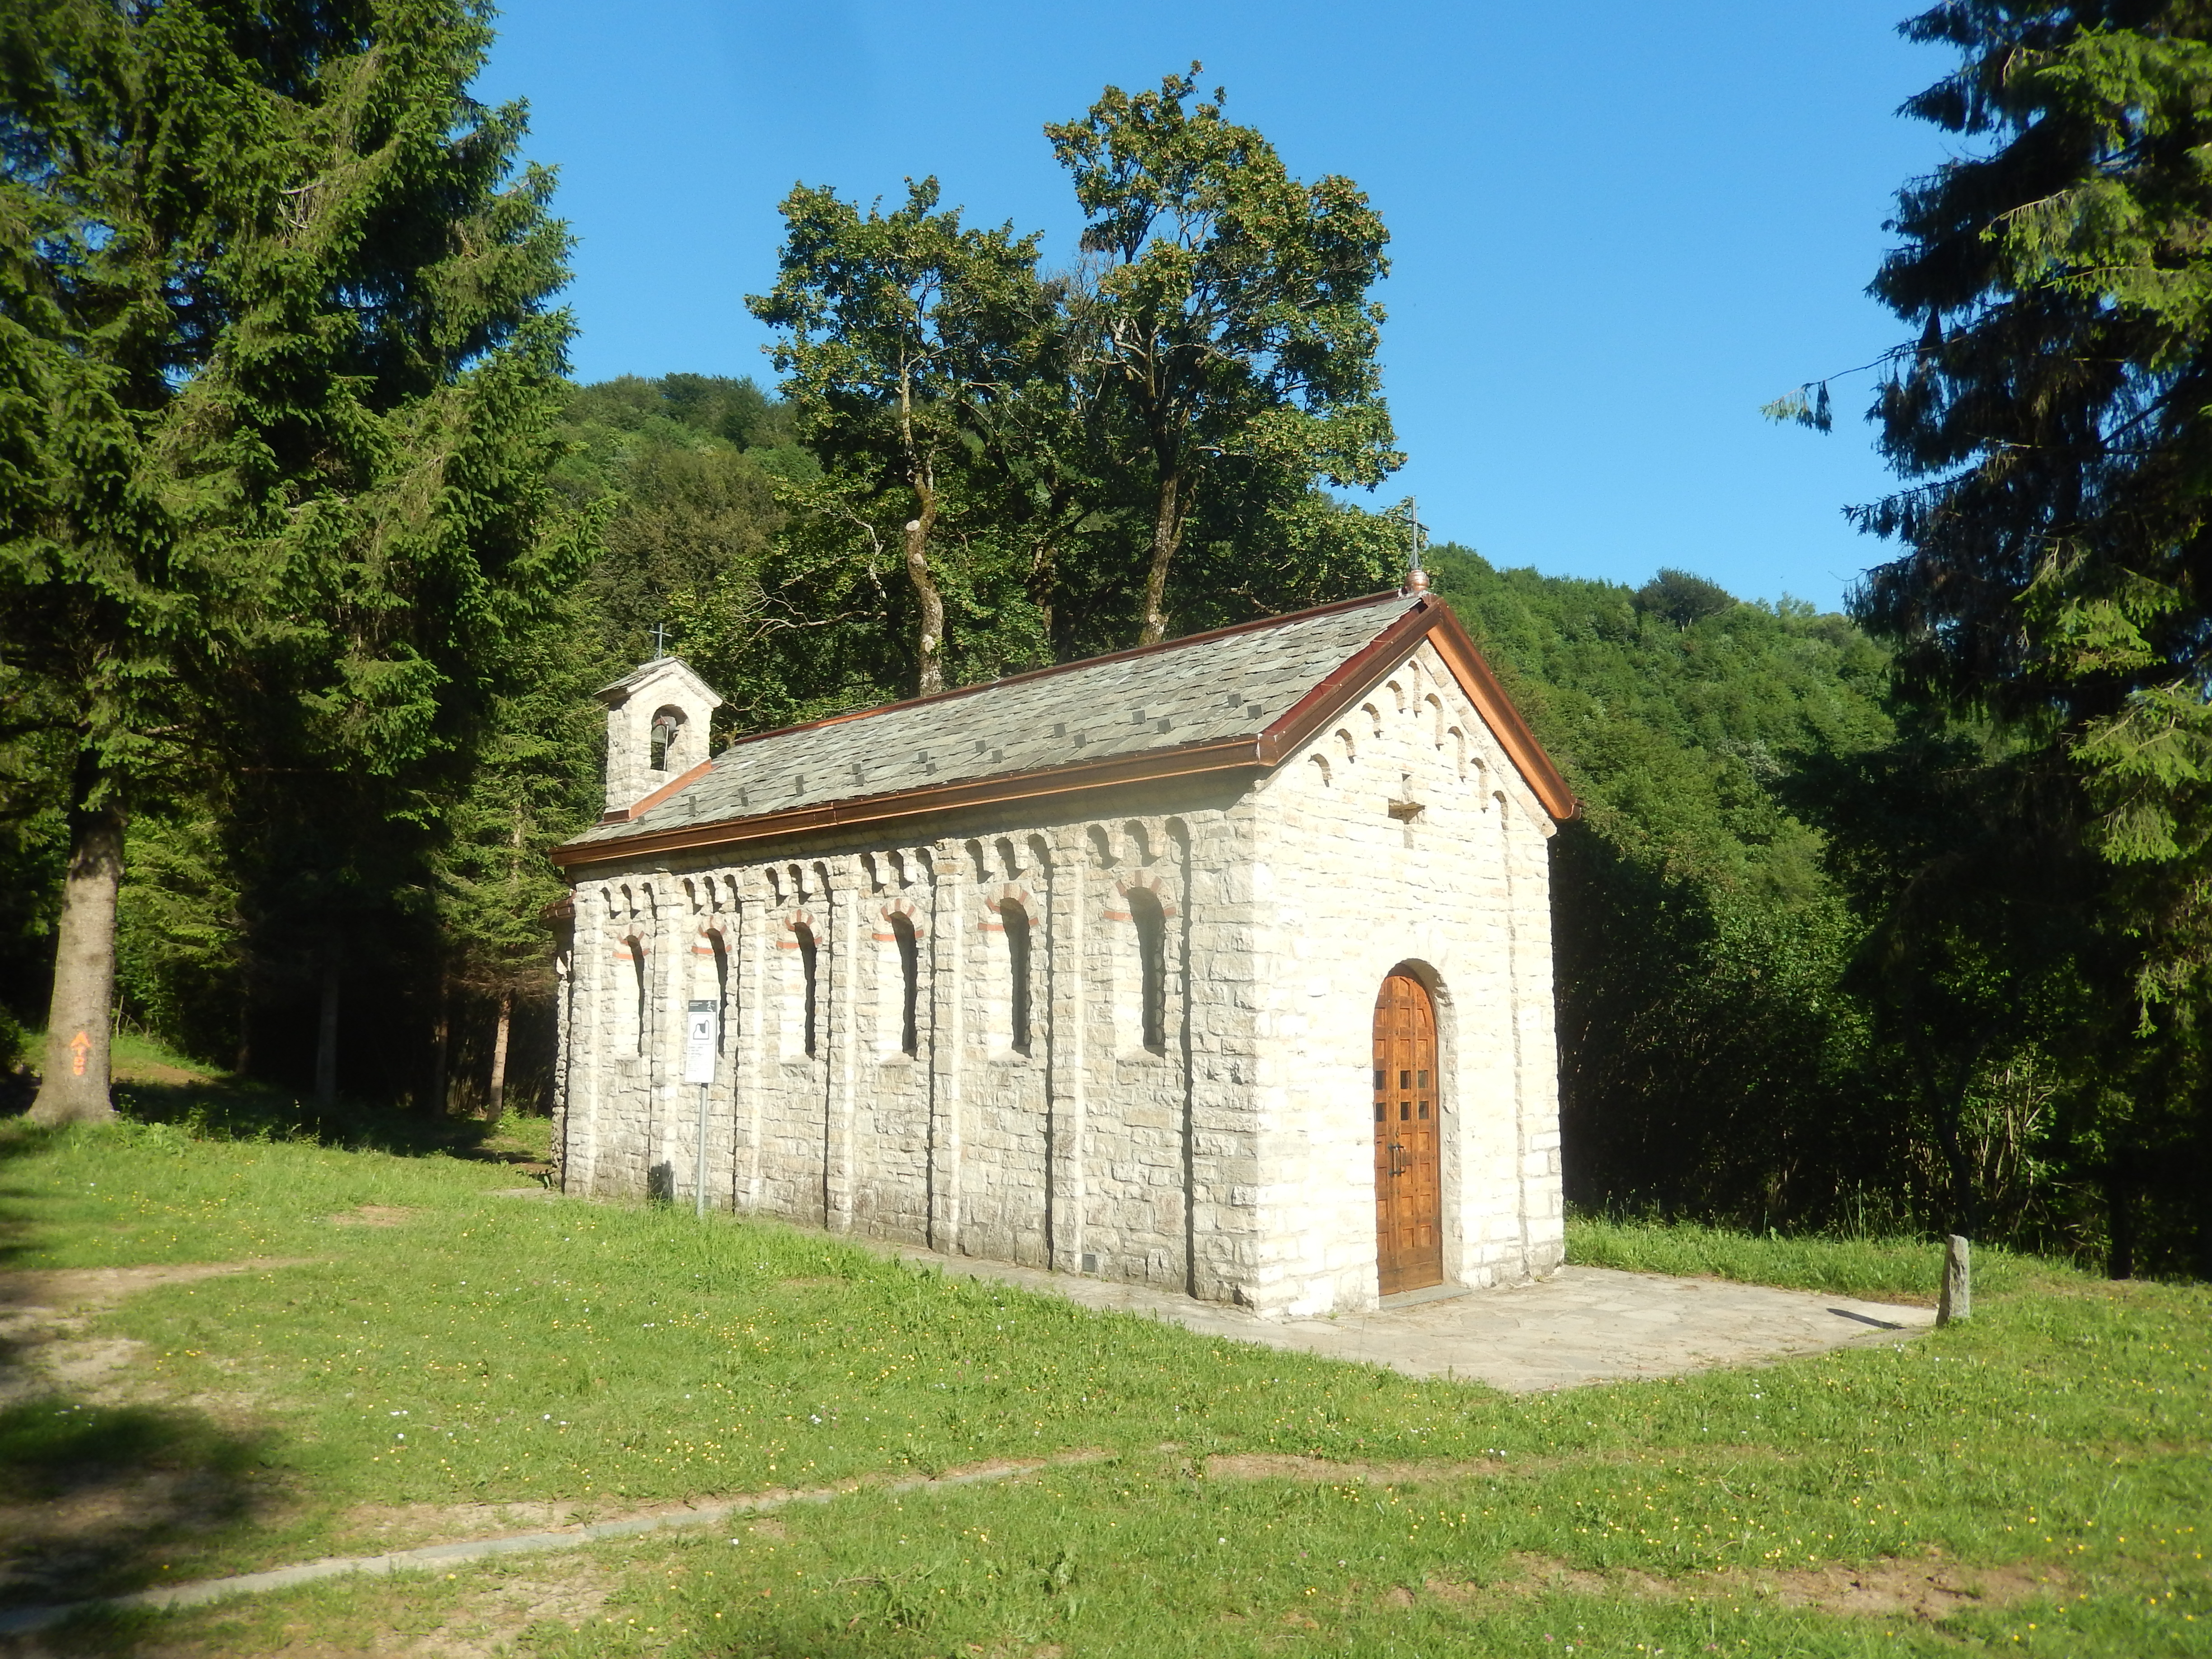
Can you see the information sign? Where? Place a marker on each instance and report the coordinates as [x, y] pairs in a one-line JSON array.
[[699, 1025]]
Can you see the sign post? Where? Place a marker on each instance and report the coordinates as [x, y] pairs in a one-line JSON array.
[[700, 1024]]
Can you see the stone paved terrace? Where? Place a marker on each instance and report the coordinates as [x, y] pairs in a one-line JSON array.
[[1584, 1325]]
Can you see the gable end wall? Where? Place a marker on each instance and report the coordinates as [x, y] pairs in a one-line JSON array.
[[1341, 893]]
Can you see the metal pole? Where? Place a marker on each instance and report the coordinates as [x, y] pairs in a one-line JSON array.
[[699, 1180]]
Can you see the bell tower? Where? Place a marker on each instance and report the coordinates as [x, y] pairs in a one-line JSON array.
[[657, 719]]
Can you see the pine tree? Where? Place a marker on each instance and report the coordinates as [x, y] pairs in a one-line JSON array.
[[277, 372], [2052, 420]]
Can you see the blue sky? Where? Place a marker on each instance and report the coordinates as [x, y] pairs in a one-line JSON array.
[[1617, 229]]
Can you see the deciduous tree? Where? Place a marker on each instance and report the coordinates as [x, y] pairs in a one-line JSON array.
[[1224, 316], [910, 337]]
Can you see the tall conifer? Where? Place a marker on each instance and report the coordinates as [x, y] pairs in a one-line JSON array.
[[2051, 417], [277, 378]]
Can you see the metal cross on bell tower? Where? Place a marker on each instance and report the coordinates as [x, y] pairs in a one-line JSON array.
[[1417, 579], [659, 641]]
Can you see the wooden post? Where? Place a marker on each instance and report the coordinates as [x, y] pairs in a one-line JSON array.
[[1957, 1300]]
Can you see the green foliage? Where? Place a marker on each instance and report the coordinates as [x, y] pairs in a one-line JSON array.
[[919, 355], [182, 944], [1682, 598], [535, 783], [1223, 335], [2048, 422], [34, 757], [1711, 1059], [276, 527]]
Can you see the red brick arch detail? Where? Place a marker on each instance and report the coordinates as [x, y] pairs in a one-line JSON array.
[[1011, 892], [1152, 884], [912, 912]]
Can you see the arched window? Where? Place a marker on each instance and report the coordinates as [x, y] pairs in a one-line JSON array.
[[1150, 923], [721, 991], [807, 963], [638, 987], [1016, 920], [667, 728], [909, 957]]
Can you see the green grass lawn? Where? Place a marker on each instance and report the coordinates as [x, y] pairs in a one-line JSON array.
[[424, 1349], [1896, 1269]]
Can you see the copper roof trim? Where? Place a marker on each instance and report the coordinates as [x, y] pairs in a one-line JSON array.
[[1480, 681], [640, 808], [1431, 619]]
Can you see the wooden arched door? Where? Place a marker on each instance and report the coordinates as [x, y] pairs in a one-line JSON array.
[[1409, 1241]]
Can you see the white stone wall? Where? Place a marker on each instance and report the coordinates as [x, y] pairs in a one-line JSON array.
[[1232, 1157], [1077, 1152], [1341, 892]]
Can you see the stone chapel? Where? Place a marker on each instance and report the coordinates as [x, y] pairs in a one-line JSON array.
[[1223, 965]]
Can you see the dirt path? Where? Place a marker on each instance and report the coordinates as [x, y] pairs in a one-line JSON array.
[[44, 1318], [22, 1621]]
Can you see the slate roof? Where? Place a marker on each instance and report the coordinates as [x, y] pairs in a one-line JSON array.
[[1207, 688]]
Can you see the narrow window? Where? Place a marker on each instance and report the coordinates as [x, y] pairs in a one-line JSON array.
[[909, 955], [721, 990], [1016, 920], [806, 967], [664, 739], [1151, 925], [637, 969]]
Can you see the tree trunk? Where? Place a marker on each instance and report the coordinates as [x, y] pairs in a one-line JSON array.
[[929, 641], [1167, 538], [2202, 1194], [73, 1087], [327, 1034], [2120, 1220], [499, 1055], [441, 1043]]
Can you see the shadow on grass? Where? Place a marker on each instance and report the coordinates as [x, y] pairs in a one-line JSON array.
[[234, 1109], [100, 1500], [20, 1139], [230, 1111]]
